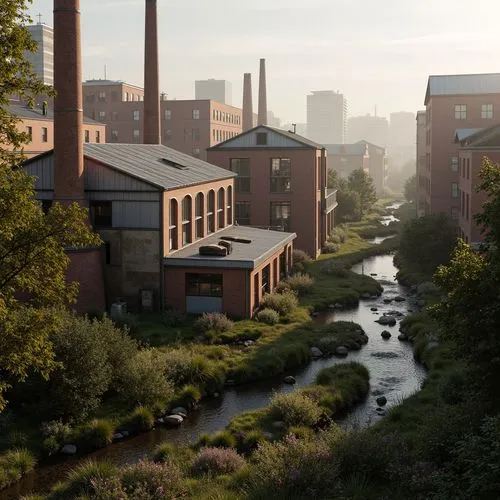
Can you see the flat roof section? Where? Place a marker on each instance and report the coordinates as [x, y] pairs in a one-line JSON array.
[[263, 244]]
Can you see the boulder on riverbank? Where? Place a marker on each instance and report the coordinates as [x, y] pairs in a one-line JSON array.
[[403, 337], [69, 449], [173, 419], [386, 320], [381, 400], [316, 353], [289, 380], [341, 351], [180, 410], [386, 335]]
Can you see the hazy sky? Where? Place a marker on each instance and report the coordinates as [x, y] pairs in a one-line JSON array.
[[376, 52]]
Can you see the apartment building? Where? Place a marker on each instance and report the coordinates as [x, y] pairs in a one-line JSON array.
[[281, 184], [42, 60], [345, 158], [377, 165], [473, 149], [454, 102], [214, 90], [189, 126], [373, 129], [401, 145], [423, 177], [327, 117]]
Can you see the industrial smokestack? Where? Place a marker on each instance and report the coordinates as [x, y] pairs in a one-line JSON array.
[[262, 118], [247, 102], [68, 109], [151, 77]]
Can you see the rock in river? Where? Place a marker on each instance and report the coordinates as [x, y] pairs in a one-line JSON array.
[[402, 337], [180, 411], [373, 308], [68, 449], [382, 401], [341, 351], [399, 298], [316, 353], [289, 380], [386, 335], [173, 419], [386, 320]]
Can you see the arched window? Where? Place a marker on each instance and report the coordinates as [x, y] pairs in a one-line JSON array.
[[198, 215], [186, 220], [172, 225], [220, 208], [211, 212], [229, 214]]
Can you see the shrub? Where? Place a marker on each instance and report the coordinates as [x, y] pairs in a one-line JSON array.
[[294, 409], [223, 439], [50, 446], [300, 260], [55, 429], [268, 316], [153, 480], [127, 322], [163, 452], [330, 247], [217, 461], [173, 318], [14, 464], [94, 435], [81, 480], [189, 396], [216, 322], [142, 420], [300, 283], [283, 303], [336, 270], [144, 380]]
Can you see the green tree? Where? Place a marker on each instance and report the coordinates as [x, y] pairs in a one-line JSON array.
[[362, 184], [411, 189], [334, 181], [349, 206], [32, 257]]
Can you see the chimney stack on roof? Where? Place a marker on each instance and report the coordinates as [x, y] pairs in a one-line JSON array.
[[151, 77], [262, 117], [68, 108], [247, 102]]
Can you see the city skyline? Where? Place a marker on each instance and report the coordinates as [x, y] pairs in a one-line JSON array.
[[388, 48]]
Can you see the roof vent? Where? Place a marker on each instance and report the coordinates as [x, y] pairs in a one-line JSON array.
[[226, 244], [214, 250], [236, 240], [171, 163]]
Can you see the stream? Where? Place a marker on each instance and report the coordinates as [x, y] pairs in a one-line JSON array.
[[393, 373]]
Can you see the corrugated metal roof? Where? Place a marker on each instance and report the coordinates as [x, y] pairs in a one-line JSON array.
[[303, 141], [263, 244], [484, 83], [487, 138], [463, 133], [356, 149], [156, 164], [36, 114]]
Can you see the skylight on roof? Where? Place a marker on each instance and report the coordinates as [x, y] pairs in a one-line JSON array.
[[171, 163]]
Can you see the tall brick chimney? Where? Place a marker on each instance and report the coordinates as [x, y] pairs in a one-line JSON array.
[[68, 108], [151, 121], [262, 119], [247, 102], [85, 263]]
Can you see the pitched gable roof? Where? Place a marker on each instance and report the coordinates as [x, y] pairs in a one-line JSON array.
[[483, 139], [356, 149]]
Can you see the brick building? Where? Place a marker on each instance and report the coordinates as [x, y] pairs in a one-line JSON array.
[[39, 125], [345, 158], [454, 102], [473, 149], [281, 184], [189, 126], [423, 185], [377, 165]]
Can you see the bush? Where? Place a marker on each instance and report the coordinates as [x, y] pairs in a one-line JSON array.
[[94, 435], [14, 464], [81, 480], [283, 303], [268, 316], [215, 322], [330, 247], [127, 322], [300, 283], [336, 270], [163, 452], [294, 409], [153, 480], [300, 260], [56, 429], [223, 439], [337, 236], [189, 396], [217, 461], [173, 318], [144, 380], [142, 420]]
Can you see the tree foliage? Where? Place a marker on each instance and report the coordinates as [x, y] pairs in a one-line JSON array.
[[411, 189], [362, 184], [32, 257], [427, 242], [349, 202]]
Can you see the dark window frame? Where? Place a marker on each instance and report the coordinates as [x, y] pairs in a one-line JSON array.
[[101, 213], [240, 166], [204, 285], [280, 175]]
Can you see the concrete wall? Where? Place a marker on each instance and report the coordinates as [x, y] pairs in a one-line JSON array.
[[305, 194]]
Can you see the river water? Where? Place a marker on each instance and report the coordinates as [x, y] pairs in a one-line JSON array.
[[393, 373]]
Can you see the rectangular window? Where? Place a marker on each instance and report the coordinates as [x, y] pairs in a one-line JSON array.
[[89, 97], [196, 114], [204, 285], [454, 164], [280, 175], [102, 115], [282, 266], [266, 280], [196, 152], [46, 204], [97, 136], [454, 190], [211, 212], [114, 95], [29, 131], [241, 166], [102, 96], [172, 225], [256, 290], [281, 215], [220, 208], [87, 135], [487, 111], [45, 134], [136, 114], [196, 134], [168, 134], [242, 213], [468, 168], [114, 136], [114, 116], [186, 220], [168, 114], [467, 206], [261, 139], [460, 111], [101, 213], [136, 135], [198, 216]]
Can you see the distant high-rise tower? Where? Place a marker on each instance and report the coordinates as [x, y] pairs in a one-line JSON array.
[[262, 117], [327, 117], [247, 102], [42, 59], [216, 90]]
